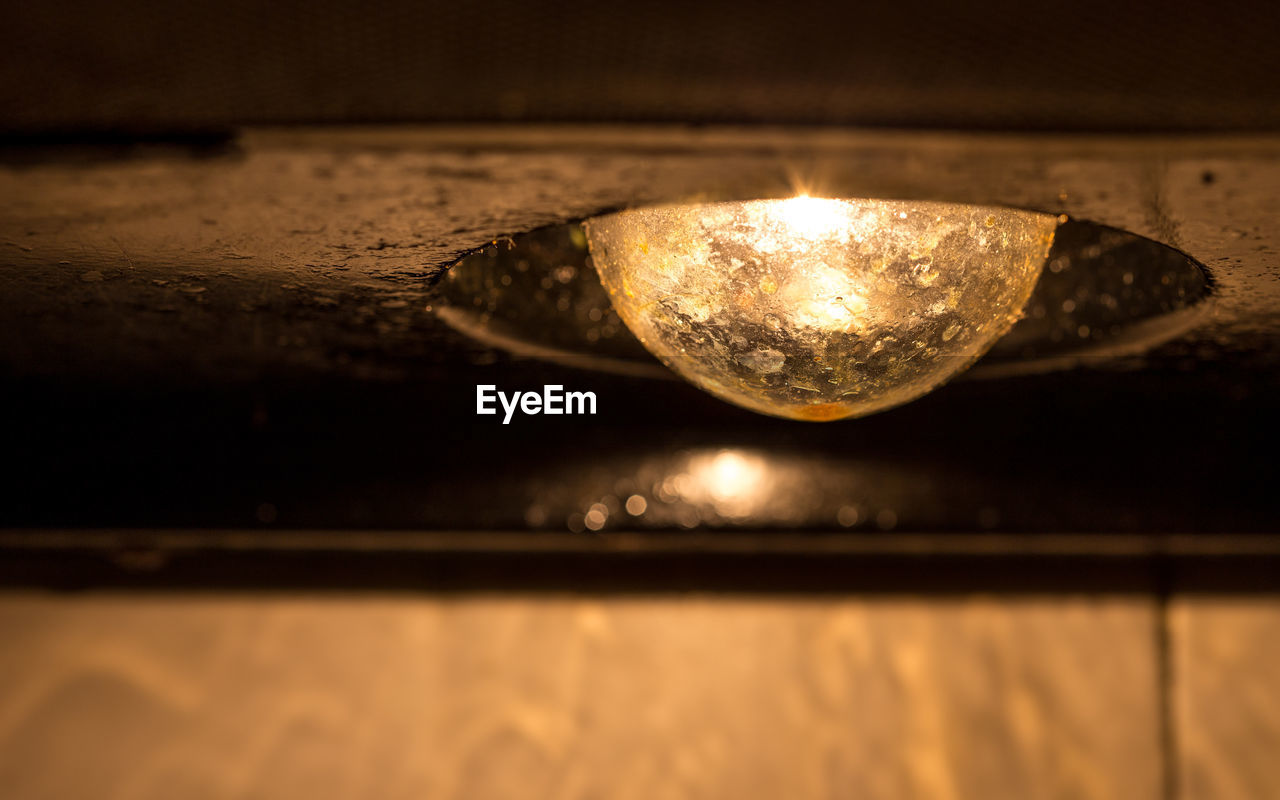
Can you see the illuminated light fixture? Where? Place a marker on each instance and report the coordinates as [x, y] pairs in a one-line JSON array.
[[818, 309]]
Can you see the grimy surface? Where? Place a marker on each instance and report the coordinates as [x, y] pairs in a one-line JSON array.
[[312, 252]]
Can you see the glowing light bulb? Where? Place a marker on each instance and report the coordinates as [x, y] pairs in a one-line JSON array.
[[810, 218], [819, 309]]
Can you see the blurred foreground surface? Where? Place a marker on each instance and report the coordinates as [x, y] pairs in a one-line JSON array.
[[680, 697]]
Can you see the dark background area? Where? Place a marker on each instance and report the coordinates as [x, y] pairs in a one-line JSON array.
[[158, 67]]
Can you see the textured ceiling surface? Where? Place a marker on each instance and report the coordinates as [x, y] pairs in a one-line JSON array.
[[316, 251]]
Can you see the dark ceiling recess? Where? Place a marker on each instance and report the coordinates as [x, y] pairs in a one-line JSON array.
[[226, 357], [1103, 291], [149, 65]]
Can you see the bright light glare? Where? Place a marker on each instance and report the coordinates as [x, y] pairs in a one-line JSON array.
[[812, 218]]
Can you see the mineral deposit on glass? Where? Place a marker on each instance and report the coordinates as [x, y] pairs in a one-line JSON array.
[[818, 309]]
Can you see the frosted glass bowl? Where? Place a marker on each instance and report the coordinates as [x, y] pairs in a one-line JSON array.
[[819, 309]]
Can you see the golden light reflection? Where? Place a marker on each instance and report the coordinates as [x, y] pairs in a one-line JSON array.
[[733, 482], [735, 487], [729, 485], [819, 309]]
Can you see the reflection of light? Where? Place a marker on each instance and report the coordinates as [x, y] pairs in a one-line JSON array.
[[733, 487], [823, 298], [729, 483], [596, 516], [819, 309], [731, 478], [847, 516]]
